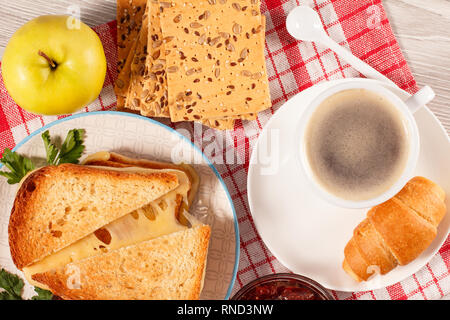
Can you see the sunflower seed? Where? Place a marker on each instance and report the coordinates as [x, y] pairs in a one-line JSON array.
[[237, 28], [246, 73], [256, 75], [156, 54], [217, 72], [230, 47], [214, 41], [196, 25], [212, 2], [202, 39], [120, 83], [157, 66], [225, 35], [172, 69], [190, 71], [165, 4], [156, 44], [236, 6], [244, 53], [157, 107], [177, 18], [150, 98]]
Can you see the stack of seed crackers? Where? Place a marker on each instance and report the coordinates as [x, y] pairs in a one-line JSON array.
[[200, 60]]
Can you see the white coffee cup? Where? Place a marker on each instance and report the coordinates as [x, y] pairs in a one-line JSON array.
[[406, 110]]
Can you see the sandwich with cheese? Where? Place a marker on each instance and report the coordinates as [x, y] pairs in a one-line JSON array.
[[111, 228]]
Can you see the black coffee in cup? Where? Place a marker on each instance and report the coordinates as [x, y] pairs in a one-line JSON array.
[[357, 145]]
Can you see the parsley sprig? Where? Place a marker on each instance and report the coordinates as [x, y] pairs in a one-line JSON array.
[[69, 152], [18, 165], [12, 287]]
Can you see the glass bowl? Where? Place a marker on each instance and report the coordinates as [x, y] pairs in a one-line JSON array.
[[283, 286]]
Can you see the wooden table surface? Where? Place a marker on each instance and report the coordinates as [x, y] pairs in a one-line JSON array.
[[421, 27]]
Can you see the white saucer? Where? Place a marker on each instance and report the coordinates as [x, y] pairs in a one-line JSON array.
[[307, 234]]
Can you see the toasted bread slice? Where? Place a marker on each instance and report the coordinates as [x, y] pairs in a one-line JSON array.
[[162, 216], [58, 205], [169, 267]]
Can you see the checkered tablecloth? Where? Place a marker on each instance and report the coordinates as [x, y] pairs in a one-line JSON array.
[[360, 25]]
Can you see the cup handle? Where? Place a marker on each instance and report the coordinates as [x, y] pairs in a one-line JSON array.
[[421, 98]]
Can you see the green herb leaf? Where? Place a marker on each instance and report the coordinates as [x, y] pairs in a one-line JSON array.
[[42, 294], [18, 165], [70, 151], [12, 285], [72, 147], [51, 150], [6, 296]]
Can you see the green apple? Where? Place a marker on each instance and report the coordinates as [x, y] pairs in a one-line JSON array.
[[54, 66]]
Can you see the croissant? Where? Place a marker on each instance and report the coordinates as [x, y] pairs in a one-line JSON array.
[[397, 231]]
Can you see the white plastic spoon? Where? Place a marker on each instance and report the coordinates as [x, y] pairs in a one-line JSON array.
[[303, 23]]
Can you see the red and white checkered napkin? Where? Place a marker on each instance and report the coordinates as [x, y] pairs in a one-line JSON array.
[[361, 26]]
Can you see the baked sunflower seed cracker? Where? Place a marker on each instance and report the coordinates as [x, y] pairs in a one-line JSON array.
[[216, 65], [148, 89], [129, 21], [137, 67], [148, 85], [123, 80]]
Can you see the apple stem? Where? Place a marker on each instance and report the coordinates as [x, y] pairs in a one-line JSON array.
[[50, 61]]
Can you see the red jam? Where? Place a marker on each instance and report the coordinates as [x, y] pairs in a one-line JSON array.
[[281, 290]]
